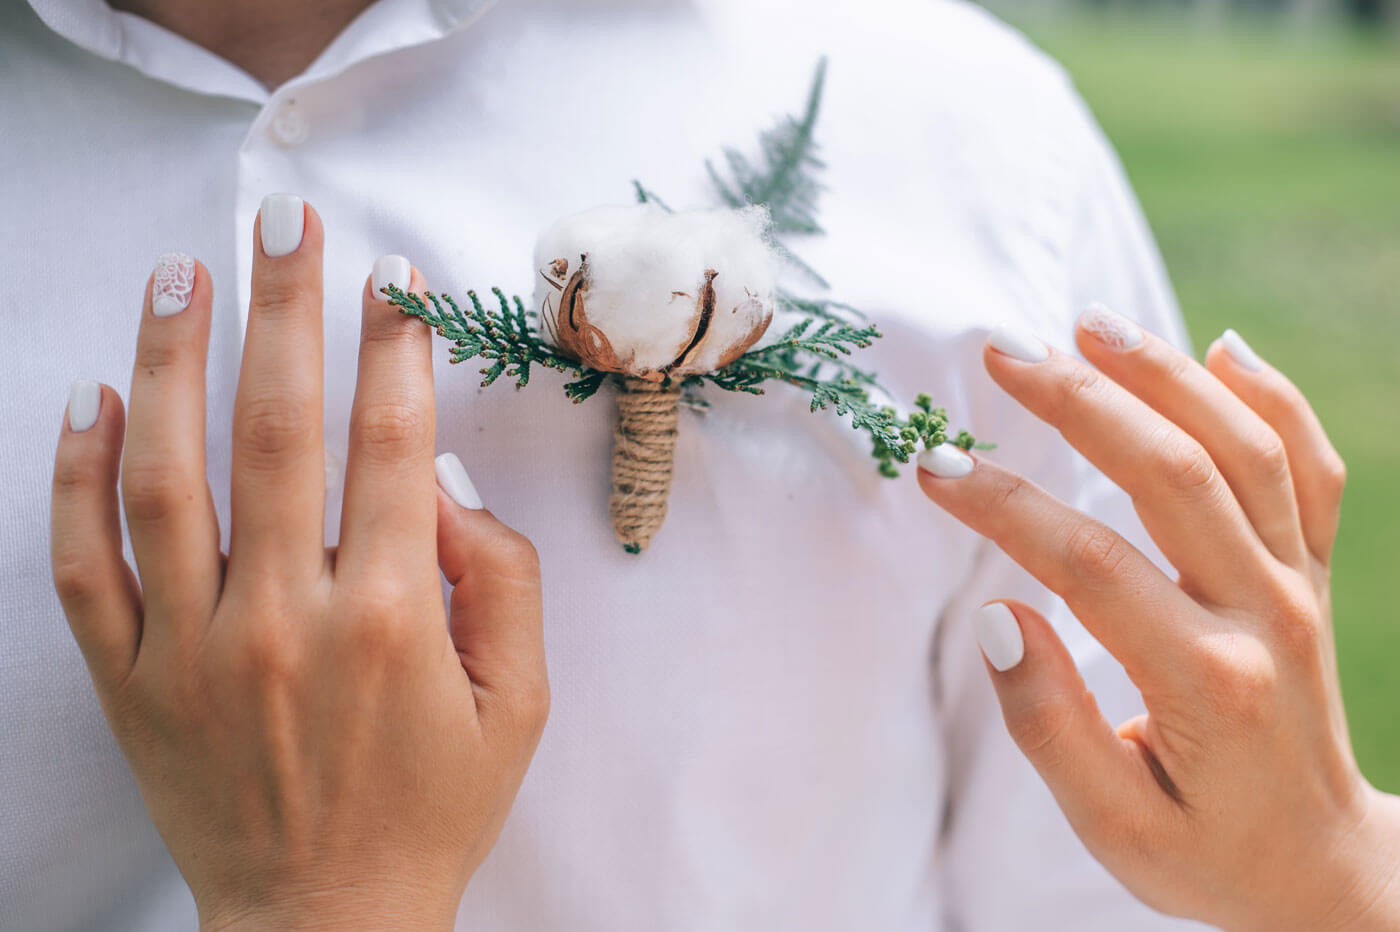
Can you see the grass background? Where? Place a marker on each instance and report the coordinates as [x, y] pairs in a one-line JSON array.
[[1268, 163]]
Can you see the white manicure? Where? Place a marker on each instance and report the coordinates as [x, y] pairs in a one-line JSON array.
[[1018, 344], [390, 270], [84, 401], [1240, 351], [173, 285], [283, 220], [1110, 328], [453, 478], [946, 461], [998, 635]]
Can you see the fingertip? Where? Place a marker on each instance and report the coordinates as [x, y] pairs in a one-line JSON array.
[[1239, 352], [455, 483], [286, 225], [1100, 330], [90, 405], [999, 636], [945, 461]]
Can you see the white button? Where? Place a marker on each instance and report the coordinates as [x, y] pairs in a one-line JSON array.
[[335, 471], [288, 126]]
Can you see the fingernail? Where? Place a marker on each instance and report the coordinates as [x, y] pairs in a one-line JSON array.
[[1110, 328], [283, 219], [390, 270], [1018, 344], [453, 478], [1240, 351], [174, 283], [84, 401], [999, 635], [946, 461]]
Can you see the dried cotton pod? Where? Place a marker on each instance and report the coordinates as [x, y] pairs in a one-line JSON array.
[[653, 296]]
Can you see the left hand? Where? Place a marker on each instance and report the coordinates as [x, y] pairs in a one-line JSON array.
[[1236, 799]]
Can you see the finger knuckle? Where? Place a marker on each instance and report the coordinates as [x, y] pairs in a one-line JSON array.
[[77, 475], [393, 332], [518, 554], [1240, 679], [1296, 620], [380, 626], [534, 703], [1096, 554], [1269, 459], [1334, 473], [270, 655], [1079, 388], [281, 296], [1013, 487], [72, 576], [155, 355], [526, 704], [269, 427], [1182, 465], [1039, 727], [392, 430], [151, 491]]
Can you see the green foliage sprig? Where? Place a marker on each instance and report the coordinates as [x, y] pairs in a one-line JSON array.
[[812, 355], [506, 337]]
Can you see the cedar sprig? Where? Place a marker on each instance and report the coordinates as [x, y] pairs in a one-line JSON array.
[[506, 337]]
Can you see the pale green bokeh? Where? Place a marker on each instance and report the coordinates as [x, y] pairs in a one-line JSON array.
[[1268, 164]]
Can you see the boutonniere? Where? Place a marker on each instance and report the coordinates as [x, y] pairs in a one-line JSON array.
[[660, 302]]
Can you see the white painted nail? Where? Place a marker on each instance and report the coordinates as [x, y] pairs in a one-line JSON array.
[[283, 221], [1018, 343], [84, 402], [390, 270], [453, 478], [1240, 351], [1110, 328], [946, 461], [173, 285], [998, 635]]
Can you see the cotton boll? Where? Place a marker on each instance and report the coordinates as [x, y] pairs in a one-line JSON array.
[[649, 293]]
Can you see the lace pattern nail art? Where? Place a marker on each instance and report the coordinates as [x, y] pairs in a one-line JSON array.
[[1110, 328], [174, 284]]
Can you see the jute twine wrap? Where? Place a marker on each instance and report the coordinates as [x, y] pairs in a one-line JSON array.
[[644, 454]]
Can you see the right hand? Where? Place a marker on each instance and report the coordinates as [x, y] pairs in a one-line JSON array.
[[319, 743]]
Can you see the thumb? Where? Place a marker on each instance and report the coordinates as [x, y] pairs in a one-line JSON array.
[[1098, 778], [496, 613]]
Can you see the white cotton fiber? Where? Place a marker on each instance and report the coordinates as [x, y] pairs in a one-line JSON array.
[[645, 276]]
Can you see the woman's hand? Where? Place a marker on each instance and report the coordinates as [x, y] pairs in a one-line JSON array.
[[318, 742], [1236, 799]]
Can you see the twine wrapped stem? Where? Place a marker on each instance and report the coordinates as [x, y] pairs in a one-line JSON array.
[[644, 455]]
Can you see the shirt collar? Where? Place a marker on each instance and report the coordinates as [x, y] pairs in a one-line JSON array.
[[385, 26]]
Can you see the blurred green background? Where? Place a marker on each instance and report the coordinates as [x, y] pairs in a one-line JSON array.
[[1265, 147]]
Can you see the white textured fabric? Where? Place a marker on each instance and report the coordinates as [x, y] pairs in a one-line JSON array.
[[776, 718]]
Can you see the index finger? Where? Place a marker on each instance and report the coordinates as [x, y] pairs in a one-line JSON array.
[[1107, 583]]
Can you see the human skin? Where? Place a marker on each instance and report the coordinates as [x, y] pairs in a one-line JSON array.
[[320, 743], [1236, 799], [272, 40]]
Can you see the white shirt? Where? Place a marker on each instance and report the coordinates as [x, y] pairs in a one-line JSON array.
[[774, 719]]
